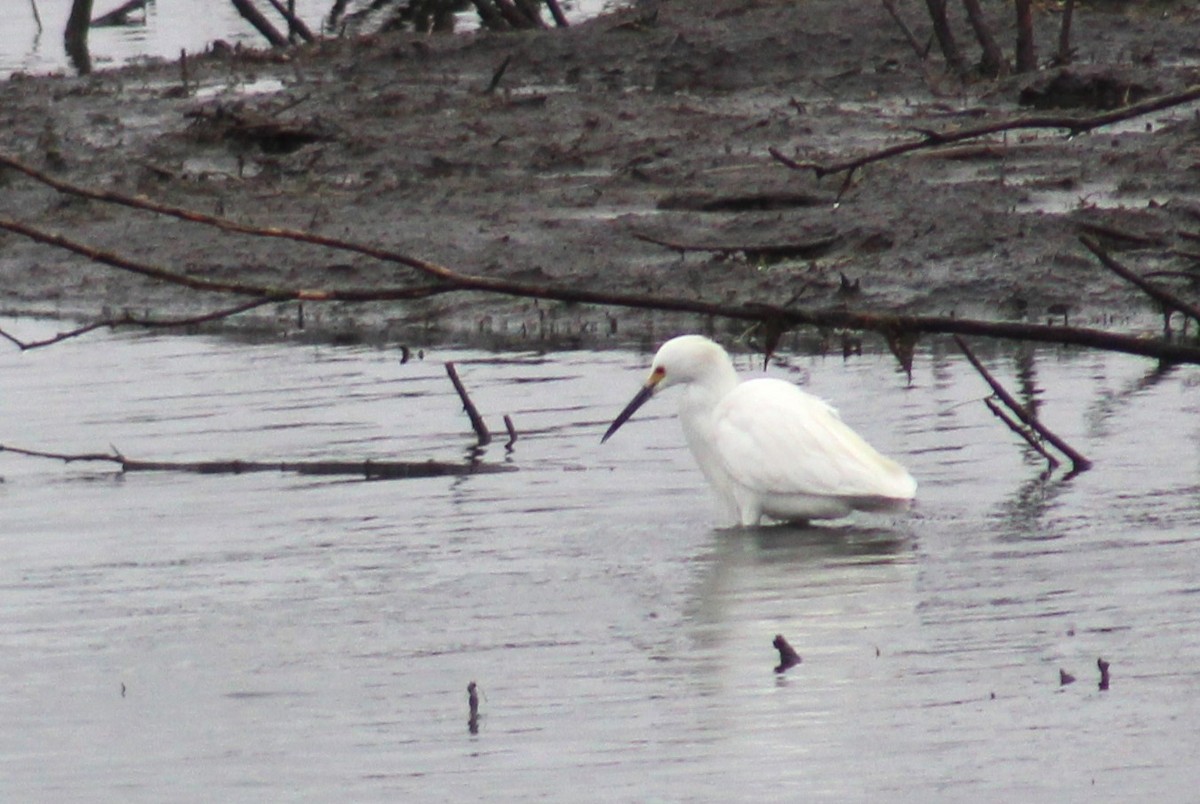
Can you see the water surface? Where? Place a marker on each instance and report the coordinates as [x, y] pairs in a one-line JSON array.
[[167, 27], [267, 636]]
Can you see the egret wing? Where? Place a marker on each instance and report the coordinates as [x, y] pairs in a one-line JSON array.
[[776, 439]]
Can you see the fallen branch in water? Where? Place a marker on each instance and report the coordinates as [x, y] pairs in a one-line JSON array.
[[438, 279], [1074, 125], [1078, 462], [367, 470]]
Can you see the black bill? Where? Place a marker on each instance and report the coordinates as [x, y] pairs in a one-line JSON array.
[[624, 416]]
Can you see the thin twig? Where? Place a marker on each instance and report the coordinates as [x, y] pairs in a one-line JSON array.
[[234, 288], [933, 139], [129, 320], [477, 423], [1164, 297], [497, 75], [1078, 462]]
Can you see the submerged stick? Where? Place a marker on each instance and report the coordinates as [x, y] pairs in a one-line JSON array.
[[1078, 462], [477, 423]]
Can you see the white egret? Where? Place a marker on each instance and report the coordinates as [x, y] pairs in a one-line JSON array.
[[766, 447]]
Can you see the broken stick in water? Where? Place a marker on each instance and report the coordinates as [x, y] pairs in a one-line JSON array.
[[1078, 462], [512, 432], [787, 655], [477, 424], [473, 706]]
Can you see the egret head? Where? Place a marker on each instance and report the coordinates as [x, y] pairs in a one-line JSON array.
[[686, 359]]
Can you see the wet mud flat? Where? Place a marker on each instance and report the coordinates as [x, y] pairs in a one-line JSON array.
[[627, 153]]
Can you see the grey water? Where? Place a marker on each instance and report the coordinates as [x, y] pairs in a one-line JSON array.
[[178, 637], [166, 28]]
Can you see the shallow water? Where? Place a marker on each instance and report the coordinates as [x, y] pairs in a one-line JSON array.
[[167, 27], [266, 636]]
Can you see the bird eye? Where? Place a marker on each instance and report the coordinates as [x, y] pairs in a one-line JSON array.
[[659, 371]]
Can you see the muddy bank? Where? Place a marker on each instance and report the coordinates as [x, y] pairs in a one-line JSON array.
[[599, 145]]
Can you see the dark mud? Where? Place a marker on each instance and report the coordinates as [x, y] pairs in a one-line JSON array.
[[598, 141]]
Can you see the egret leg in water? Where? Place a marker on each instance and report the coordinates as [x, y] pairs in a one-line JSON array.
[[766, 447]]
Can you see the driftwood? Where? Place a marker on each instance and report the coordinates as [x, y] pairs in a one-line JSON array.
[[368, 470], [431, 279], [1072, 124]]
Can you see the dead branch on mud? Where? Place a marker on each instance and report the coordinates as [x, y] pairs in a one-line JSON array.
[[127, 319], [437, 279], [1039, 431], [367, 470], [1169, 301], [1072, 124]]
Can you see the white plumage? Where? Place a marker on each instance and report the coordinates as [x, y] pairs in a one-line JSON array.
[[766, 447]]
